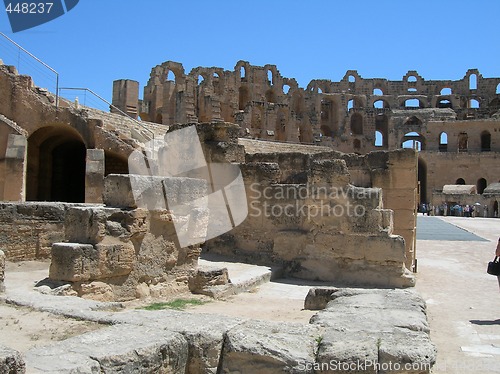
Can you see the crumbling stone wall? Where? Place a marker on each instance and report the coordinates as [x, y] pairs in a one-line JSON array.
[[27, 230], [122, 252], [306, 215], [345, 115]]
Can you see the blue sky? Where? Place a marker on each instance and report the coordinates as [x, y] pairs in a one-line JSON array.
[[103, 40]]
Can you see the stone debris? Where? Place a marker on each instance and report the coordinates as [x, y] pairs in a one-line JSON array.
[[11, 361]]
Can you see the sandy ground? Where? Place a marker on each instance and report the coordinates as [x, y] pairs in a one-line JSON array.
[[23, 328]]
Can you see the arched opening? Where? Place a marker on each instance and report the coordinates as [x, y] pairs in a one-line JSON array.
[[350, 104], [412, 78], [413, 103], [329, 118], [243, 97], [443, 142], [280, 127], [286, 89], [473, 104], [216, 83], [201, 79], [445, 91], [445, 103], [243, 73], [305, 134], [481, 185], [377, 92], [379, 139], [463, 142], [413, 140], [298, 104], [115, 164], [382, 128], [352, 79], [56, 165], [159, 118], [357, 124], [485, 141], [473, 82], [460, 181], [381, 104], [270, 77], [412, 90], [170, 77], [422, 180], [498, 89]]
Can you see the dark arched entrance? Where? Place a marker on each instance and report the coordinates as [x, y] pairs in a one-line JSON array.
[[56, 165], [422, 181]]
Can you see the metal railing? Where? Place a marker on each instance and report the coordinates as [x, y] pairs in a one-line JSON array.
[[90, 99], [28, 64]]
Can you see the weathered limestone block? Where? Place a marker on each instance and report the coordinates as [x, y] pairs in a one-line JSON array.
[[152, 192], [119, 191], [11, 361], [122, 348], [387, 327], [355, 353], [94, 175], [2, 271], [205, 278], [267, 347], [205, 334], [329, 173], [86, 225], [74, 262]]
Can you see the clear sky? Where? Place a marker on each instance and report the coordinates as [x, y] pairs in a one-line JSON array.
[[103, 40]]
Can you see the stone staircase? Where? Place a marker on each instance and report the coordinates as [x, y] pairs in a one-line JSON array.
[[126, 127]]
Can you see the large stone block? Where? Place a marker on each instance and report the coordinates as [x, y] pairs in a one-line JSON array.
[[267, 347], [387, 329], [74, 262], [87, 224], [116, 349], [115, 259]]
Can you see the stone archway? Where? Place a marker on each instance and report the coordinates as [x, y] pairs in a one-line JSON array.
[[56, 165]]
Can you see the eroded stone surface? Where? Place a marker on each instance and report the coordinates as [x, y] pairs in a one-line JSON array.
[[388, 328], [11, 361]]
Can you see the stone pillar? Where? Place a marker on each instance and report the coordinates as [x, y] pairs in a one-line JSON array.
[[126, 97], [14, 165], [94, 176], [2, 271]]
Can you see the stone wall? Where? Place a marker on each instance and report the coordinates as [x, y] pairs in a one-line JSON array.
[[306, 216], [27, 230], [122, 252]]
